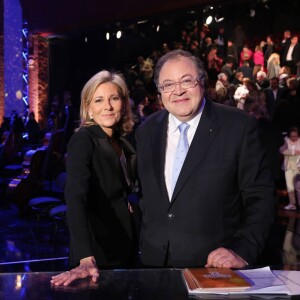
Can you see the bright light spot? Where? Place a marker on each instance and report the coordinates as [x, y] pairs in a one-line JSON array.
[[209, 20], [119, 34], [19, 95]]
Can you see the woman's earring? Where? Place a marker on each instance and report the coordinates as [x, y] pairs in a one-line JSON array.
[[91, 117]]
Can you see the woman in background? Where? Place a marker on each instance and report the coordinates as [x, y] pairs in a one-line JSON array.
[[273, 66]]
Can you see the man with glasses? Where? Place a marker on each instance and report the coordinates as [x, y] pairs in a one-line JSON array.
[[207, 191]]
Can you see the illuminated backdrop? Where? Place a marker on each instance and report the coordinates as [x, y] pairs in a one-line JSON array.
[[13, 84]]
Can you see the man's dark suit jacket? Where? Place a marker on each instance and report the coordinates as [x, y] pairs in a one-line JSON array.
[[224, 195], [295, 54], [96, 192], [271, 101]]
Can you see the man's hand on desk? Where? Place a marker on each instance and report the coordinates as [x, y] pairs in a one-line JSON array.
[[225, 258]]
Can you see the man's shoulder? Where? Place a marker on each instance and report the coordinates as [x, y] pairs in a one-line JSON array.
[[155, 119], [229, 115]]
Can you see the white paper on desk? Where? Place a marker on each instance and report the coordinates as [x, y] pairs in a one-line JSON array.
[[265, 282], [291, 280]]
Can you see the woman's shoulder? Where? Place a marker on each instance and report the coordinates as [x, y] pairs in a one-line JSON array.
[[86, 134]]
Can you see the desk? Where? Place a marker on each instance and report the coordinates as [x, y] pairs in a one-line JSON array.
[[150, 284]]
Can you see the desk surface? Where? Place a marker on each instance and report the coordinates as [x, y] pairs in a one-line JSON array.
[[152, 284]]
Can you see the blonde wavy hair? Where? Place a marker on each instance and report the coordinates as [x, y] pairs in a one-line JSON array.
[[274, 58], [126, 123]]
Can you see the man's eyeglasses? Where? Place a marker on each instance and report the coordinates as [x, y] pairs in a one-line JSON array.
[[185, 83]]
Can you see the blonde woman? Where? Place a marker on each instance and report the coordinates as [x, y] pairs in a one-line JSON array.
[[273, 66], [100, 173]]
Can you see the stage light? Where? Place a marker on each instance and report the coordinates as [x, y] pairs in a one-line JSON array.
[[119, 34], [157, 28], [208, 20], [107, 36], [219, 19]]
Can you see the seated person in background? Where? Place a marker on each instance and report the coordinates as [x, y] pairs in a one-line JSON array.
[[33, 129]]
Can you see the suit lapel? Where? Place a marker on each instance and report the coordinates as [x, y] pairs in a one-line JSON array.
[[130, 158], [108, 153], [159, 151], [205, 134]]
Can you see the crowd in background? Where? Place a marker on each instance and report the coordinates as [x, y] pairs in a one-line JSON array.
[[260, 76], [238, 70]]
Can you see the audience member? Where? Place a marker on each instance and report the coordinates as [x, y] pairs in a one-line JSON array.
[[228, 68], [213, 64], [238, 79], [258, 56], [273, 95], [245, 55], [273, 65], [232, 53], [221, 87], [285, 43], [33, 130], [268, 49], [291, 166], [230, 101], [246, 69], [256, 69], [293, 97], [291, 55], [262, 81], [240, 96]]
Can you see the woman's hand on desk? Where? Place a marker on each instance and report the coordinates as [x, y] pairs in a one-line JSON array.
[[86, 268]]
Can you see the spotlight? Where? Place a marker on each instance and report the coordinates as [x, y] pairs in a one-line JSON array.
[[208, 20], [219, 19], [107, 36], [119, 34], [157, 28]]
